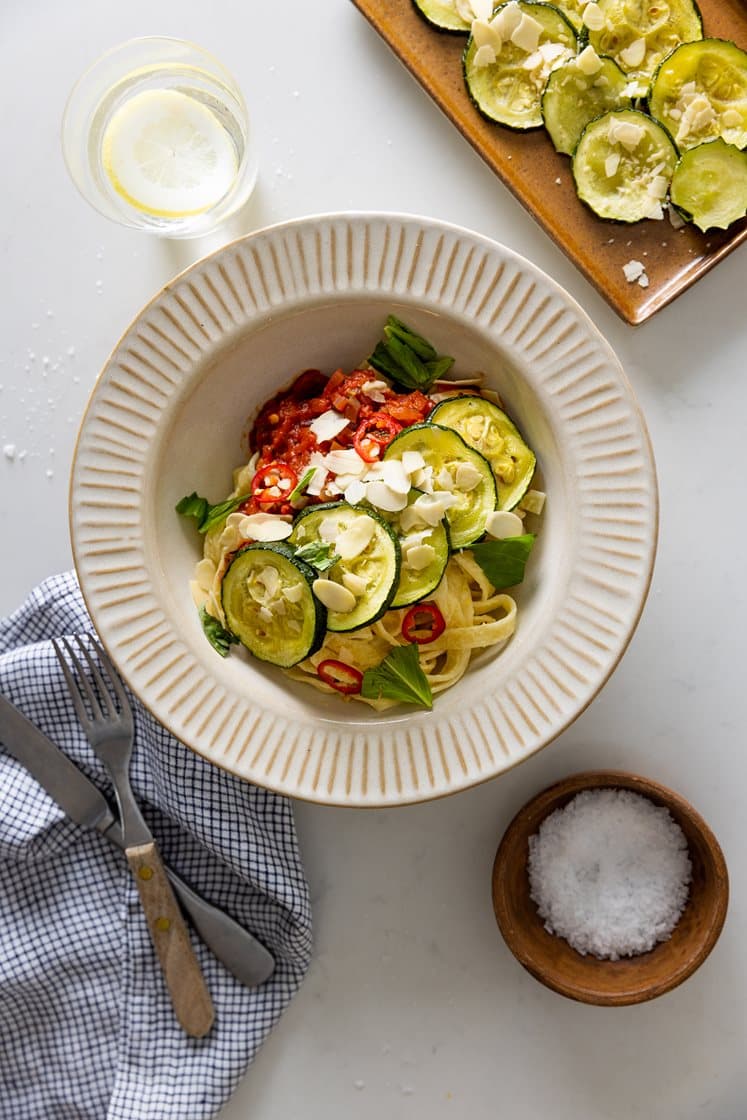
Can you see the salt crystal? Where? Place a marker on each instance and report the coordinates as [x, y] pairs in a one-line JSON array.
[[71, 351], [609, 873], [9, 451], [49, 473]]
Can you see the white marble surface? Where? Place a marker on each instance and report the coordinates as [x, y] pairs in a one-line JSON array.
[[413, 1006]]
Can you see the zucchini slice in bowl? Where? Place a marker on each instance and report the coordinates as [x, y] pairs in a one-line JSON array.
[[368, 563], [269, 604], [700, 92], [709, 184], [506, 71], [456, 468], [638, 36], [421, 571], [623, 165], [486, 428], [573, 97]]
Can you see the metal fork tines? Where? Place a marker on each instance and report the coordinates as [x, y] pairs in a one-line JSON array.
[[110, 731]]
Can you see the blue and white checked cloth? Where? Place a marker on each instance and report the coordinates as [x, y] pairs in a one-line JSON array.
[[86, 1027]]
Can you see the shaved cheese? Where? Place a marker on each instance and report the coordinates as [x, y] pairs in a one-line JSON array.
[[624, 132], [507, 19], [395, 476], [731, 118], [593, 17], [634, 54], [444, 479], [352, 541], [632, 270], [658, 186], [484, 56], [502, 523], [419, 557], [432, 507], [354, 492], [589, 61], [383, 497], [264, 527], [375, 390], [412, 461], [424, 479], [527, 34], [334, 596], [316, 482], [467, 476], [269, 577], [611, 164], [533, 501], [294, 593], [328, 425], [486, 34], [356, 584], [329, 527], [345, 461]]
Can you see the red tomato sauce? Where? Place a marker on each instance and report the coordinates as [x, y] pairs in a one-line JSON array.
[[281, 432]]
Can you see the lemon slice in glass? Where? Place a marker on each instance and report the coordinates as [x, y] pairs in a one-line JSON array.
[[168, 155]]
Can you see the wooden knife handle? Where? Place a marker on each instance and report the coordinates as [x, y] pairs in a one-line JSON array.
[[186, 984]]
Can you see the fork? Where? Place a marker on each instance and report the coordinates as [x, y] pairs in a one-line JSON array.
[[110, 732]]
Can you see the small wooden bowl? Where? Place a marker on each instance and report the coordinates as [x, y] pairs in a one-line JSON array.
[[552, 961]]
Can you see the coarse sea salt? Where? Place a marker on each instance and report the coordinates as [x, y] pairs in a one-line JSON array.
[[609, 872]]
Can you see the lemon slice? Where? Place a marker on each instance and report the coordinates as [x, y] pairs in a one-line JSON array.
[[168, 155]]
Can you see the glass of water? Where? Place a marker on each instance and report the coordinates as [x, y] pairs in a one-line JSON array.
[[156, 136]]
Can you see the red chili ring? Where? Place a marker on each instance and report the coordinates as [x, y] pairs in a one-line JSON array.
[[423, 623], [350, 686], [268, 478], [378, 430]]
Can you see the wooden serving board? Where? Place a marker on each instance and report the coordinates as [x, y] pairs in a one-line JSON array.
[[541, 179]]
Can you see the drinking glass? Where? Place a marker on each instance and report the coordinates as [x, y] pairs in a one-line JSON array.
[[156, 136]]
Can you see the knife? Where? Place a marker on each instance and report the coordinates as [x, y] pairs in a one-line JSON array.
[[240, 952]]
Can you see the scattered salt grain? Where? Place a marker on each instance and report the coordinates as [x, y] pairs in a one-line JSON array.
[[609, 873], [9, 451]]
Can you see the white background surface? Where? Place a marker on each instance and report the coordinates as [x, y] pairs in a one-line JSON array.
[[413, 1006]]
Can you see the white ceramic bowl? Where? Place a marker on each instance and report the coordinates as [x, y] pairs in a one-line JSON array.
[[166, 417]]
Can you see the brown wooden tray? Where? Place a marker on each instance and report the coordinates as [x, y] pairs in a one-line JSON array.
[[540, 178]]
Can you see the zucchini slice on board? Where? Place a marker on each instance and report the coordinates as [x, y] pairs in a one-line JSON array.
[[445, 451], [485, 427], [574, 97], [709, 184], [370, 571], [639, 35], [269, 605], [623, 165], [418, 579], [442, 14], [506, 72], [700, 92]]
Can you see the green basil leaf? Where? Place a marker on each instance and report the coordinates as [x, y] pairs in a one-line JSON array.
[[299, 490], [320, 555], [416, 342], [410, 364], [382, 360], [504, 561], [399, 677], [220, 638], [204, 514]]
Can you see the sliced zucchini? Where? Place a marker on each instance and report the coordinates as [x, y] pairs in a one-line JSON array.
[[623, 165], [467, 473], [442, 14], [506, 62], [573, 97], [485, 427], [700, 92], [269, 605], [419, 576], [369, 567], [639, 35], [709, 184]]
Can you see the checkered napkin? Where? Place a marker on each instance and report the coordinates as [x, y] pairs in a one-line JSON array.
[[86, 1027]]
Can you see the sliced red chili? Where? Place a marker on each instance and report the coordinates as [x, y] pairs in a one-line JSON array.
[[374, 434], [423, 623], [343, 678], [274, 483]]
